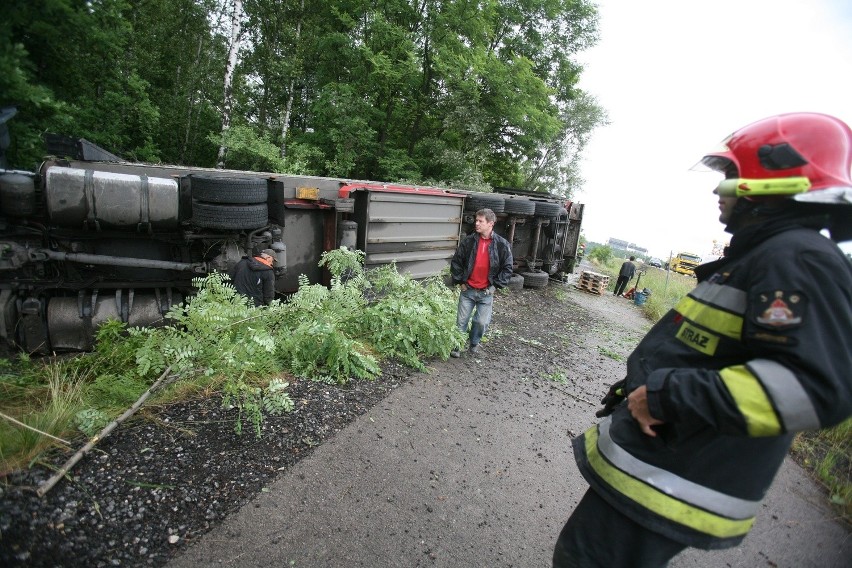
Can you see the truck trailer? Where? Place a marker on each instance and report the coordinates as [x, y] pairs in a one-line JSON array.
[[89, 237]]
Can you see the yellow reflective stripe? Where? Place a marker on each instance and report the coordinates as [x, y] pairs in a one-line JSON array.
[[698, 339], [714, 319], [660, 503], [752, 401]]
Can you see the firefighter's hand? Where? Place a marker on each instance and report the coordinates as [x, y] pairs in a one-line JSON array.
[[490, 290], [637, 404], [613, 398]]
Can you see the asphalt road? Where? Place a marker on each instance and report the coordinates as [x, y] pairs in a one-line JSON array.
[[469, 466]]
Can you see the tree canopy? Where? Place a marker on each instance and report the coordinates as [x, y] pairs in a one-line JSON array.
[[471, 94]]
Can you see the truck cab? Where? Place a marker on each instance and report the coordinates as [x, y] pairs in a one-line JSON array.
[[685, 263]]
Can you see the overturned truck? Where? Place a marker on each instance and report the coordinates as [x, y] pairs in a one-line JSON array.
[[89, 237]]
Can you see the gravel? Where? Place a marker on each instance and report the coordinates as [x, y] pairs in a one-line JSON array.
[[171, 476]]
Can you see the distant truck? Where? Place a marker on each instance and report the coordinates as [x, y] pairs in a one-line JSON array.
[[685, 263]]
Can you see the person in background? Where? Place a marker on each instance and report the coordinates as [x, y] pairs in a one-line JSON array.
[[254, 278], [692, 438], [481, 264], [628, 269], [581, 252]]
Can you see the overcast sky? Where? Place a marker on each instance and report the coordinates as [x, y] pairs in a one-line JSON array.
[[676, 77]]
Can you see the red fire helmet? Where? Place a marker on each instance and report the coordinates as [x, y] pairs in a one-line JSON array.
[[806, 156]]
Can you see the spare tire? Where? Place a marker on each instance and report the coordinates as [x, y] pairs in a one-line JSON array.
[[518, 206], [478, 201], [216, 216], [228, 190], [537, 279]]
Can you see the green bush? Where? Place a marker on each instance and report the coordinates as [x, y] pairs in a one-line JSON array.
[[218, 339], [601, 254]]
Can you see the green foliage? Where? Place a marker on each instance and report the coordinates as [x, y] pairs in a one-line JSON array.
[[16, 376], [322, 350], [408, 319], [438, 91], [601, 254], [253, 401], [248, 151], [90, 421], [828, 455], [610, 353], [47, 404], [343, 262]]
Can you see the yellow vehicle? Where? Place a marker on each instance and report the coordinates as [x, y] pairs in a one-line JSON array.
[[684, 263]]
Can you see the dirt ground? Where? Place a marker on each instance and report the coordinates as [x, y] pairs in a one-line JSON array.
[[468, 464]]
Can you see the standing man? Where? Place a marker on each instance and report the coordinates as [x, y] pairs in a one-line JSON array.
[[481, 264], [254, 277], [758, 351], [628, 269]]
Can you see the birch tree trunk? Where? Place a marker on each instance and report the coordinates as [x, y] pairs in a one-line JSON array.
[[228, 101], [285, 121]]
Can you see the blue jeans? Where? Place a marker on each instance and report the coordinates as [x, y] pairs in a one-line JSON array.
[[480, 301]]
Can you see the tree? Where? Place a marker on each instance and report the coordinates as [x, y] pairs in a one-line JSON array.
[[231, 64], [74, 55], [471, 95], [601, 253]]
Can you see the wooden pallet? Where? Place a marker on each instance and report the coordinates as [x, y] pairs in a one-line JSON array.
[[593, 282]]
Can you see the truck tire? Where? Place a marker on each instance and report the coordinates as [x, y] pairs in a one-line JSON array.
[[546, 209], [217, 216], [518, 206], [516, 282], [479, 201], [537, 279], [550, 229], [211, 189]]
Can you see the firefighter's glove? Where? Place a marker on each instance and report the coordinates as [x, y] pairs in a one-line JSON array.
[[615, 396]]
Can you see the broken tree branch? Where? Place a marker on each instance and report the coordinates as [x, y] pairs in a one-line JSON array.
[[54, 479], [28, 427]]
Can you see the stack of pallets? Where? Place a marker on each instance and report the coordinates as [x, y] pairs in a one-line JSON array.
[[593, 282]]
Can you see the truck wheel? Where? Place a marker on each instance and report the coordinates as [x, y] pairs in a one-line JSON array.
[[516, 282], [479, 201], [216, 216], [518, 206], [228, 190], [537, 279], [547, 209], [550, 229]]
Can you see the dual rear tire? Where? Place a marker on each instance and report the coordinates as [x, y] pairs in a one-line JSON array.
[[229, 203]]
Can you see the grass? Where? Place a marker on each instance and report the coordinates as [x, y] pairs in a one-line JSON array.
[[55, 397], [667, 288], [826, 454]]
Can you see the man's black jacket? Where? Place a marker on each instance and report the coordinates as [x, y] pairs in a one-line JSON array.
[[499, 253]]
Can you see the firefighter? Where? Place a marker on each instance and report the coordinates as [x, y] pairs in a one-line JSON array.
[[691, 439]]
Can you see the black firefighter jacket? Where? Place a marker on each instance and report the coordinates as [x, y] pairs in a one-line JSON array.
[[758, 351], [499, 255]]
